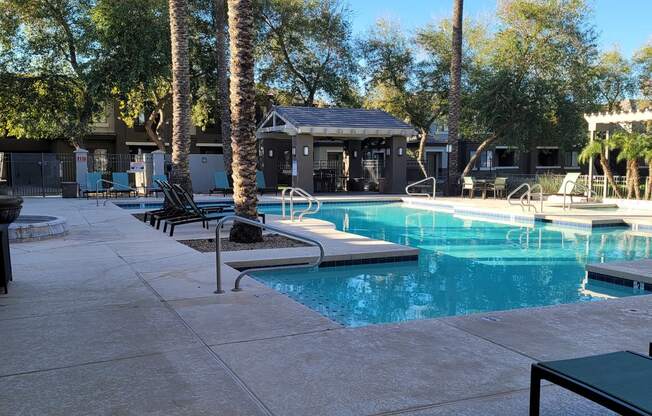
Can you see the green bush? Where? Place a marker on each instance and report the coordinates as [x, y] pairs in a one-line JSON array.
[[550, 182]]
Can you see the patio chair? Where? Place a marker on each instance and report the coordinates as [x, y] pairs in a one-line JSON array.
[[94, 184], [468, 185], [620, 381], [176, 207], [155, 187], [262, 186], [499, 187], [120, 184], [570, 190], [197, 214], [221, 184]]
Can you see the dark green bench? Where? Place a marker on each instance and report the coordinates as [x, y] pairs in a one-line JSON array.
[[620, 381]]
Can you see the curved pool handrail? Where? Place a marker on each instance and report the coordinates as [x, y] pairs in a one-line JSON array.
[[262, 226]]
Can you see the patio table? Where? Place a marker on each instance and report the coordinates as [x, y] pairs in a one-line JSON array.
[[483, 184]]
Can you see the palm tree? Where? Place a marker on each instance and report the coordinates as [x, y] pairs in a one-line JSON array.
[[599, 148], [647, 156], [454, 97], [631, 148], [243, 118], [223, 80], [178, 10]]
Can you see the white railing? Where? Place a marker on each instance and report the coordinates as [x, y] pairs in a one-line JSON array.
[[311, 200], [429, 178]]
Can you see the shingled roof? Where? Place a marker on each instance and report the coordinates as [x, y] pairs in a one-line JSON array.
[[334, 122]]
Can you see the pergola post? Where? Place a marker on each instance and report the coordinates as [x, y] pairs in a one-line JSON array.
[[605, 188], [590, 182], [302, 162], [395, 166], [354, 155]]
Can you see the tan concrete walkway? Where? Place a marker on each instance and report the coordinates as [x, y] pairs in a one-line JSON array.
[[119, 319]]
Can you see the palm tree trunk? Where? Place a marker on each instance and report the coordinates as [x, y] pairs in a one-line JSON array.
[[455, 90], [178, 10], [243, 118], [221, 38], [606, 169], [635, 178], [648, 188]]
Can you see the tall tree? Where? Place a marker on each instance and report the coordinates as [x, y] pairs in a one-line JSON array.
[[178, 11], [243, 118], [540, 78], [614, 80], [136, 32], [50, 45], [221, 51], [304, 47], [643, 65], [409, 76], [455, 94]]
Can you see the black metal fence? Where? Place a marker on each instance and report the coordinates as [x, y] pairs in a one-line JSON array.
[[36, 174]]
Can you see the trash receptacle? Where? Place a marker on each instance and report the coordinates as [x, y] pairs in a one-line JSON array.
[[69, 189]]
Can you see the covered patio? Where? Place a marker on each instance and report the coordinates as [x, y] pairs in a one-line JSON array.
[[334, 149]]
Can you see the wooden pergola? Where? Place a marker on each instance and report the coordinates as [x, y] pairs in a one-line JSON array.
[[605, 121]]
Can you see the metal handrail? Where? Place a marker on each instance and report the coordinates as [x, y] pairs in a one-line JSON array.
[[309, 209], [262, 226], [511, 194], [97, 190], [434, 187], [529, 198], [580, 185], [302, 193], [525, 200]]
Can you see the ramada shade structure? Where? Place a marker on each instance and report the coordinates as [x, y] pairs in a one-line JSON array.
[[304, 125], [605, 121]]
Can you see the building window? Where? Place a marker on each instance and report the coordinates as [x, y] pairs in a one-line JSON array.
[[485, 161], [548, 157], [570, 159], [506, 158]]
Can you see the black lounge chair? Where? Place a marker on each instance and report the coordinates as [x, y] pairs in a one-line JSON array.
[[176, 207], [196, 214], [620, 381]]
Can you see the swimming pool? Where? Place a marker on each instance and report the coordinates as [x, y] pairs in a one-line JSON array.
[[465, 266]]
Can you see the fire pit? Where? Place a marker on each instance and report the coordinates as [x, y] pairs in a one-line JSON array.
[[37, 227]]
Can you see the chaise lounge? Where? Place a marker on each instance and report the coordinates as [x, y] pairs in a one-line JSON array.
[[221, 182], [620, 381]]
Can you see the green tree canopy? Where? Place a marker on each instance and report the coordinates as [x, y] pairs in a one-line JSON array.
[[134, 60], [539, 81], [614, 79], [304, 47], [643, 65], [47, 49]]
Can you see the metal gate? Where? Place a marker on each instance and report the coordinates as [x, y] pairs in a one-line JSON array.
[[36, 174]]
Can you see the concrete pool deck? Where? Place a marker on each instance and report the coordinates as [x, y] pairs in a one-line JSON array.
[[117, 318]]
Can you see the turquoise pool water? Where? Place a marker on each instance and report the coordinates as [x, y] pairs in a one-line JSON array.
[[465, 266]]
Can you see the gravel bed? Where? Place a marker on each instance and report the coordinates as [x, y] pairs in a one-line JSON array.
[[269, 241]]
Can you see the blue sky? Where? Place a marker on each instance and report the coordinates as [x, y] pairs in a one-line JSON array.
[[625, 23]]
